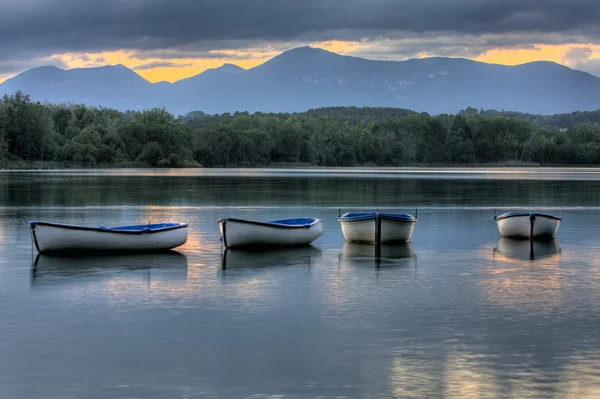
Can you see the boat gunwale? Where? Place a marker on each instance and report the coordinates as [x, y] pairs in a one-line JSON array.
[[525, 214], [371, 216], [275, 225], [143, 228]]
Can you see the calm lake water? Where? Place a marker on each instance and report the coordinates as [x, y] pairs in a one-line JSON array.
[[457, 313]]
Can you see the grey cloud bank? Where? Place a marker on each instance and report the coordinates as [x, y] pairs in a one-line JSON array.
[[86, 25], [33, 29]]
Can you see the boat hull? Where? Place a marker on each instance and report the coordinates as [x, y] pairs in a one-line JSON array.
[[363, 230], [51, 237], [523, 226], [246, 233]]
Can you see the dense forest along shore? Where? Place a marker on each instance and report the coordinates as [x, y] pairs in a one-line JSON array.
[[36, 135]]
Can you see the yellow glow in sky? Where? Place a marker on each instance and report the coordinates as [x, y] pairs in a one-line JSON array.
[[189, 67], [252, 57], [556, 53], [198, 66]]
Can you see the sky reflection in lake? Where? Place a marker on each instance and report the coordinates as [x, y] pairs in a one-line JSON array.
[[457, 313]]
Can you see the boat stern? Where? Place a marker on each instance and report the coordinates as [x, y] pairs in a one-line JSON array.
[[223, 230], [527, 225], [32, 226]]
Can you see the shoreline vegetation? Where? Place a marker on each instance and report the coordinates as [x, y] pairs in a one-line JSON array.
[[70, 136], [52, 165]]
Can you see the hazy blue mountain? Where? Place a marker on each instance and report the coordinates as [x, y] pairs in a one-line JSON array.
[[109, 86], [305, 78]]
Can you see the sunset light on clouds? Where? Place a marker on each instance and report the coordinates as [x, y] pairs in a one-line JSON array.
[[172, 69], [172, 40]]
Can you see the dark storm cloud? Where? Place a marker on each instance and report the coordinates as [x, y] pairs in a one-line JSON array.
[[161, 64], [56, 26]]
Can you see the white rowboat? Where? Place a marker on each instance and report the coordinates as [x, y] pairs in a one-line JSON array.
[[57, 237], [273, 233], [360, 227], [527, 225]]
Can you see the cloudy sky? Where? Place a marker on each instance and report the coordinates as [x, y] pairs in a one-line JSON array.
[[173, 39]]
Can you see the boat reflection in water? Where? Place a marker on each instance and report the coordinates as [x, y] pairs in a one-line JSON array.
[[56, 269], [236, 258], [526, 249], [392, 255]]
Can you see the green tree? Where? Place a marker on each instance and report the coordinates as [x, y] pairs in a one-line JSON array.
[[152, 153], [87, 146]]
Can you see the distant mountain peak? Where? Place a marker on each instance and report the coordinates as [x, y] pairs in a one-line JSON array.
[[308, 77], [305, 55], [42, 69], [230, 68], [225, 68], [544, 64], [46, 68], [39, 73], [118, 67], [308, 50]]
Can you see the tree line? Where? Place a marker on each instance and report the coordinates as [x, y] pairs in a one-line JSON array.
[[67, 135]]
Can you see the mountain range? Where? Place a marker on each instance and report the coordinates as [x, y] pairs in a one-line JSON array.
[[306, 77]]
